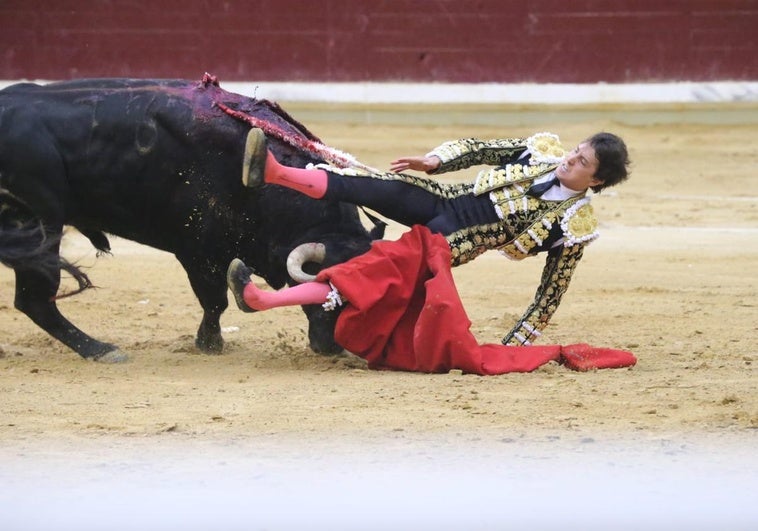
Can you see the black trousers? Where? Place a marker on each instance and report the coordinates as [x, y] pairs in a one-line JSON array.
[[409, 204]]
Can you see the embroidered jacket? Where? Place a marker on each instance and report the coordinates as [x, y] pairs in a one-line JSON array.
[[528, 225]]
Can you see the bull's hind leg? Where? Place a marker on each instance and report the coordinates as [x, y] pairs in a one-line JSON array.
[[35, 292]]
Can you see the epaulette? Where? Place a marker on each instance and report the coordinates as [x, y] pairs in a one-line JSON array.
[[545, 148], [579, 223]]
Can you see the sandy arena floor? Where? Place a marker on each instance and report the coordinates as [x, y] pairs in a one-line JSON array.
[[270, 435]]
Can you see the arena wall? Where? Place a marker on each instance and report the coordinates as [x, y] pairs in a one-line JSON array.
[[416, 41]]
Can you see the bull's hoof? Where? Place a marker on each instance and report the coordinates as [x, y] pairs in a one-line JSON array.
[[114, 356], [254, 160], [237, 277], [210, 345]]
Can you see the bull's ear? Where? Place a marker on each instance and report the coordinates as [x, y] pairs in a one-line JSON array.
[[377, 233]]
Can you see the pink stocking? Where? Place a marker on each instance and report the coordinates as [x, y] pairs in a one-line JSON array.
[[309, 182], [307, 293]]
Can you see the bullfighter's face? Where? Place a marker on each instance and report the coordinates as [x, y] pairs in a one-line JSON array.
[[577, 170]]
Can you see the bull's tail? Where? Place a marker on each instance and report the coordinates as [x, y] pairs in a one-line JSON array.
[[28, 247], [25, 245]]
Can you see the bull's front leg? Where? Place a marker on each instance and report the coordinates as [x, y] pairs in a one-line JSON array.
[[35, 297], [210, 290], [209, 338]]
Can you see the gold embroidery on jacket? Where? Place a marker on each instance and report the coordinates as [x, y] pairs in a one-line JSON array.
[[511, 174], [460, 154], [556, 276]]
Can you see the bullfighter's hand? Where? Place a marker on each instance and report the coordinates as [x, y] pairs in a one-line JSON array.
[[427, 163]]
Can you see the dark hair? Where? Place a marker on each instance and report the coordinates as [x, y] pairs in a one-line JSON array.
[[612, 158]]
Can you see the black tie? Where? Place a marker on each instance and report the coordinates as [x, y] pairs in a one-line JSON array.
[[536, 190]]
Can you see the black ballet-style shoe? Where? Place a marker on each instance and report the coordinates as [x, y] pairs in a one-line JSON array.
[[254, 159], [237, 277]]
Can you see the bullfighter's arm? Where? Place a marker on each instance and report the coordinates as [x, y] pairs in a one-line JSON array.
[[466, 152], [556, 275]]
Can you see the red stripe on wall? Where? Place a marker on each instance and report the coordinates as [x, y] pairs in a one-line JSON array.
[[502, 41]]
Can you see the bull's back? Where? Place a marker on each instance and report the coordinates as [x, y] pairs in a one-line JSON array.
[[96, 123], [119, 153]]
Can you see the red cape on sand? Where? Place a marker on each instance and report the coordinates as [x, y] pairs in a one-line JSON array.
[[404, 313]]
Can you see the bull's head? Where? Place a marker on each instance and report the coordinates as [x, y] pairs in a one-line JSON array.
[[303, 262]]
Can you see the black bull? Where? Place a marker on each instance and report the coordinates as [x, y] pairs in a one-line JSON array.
[[157, 162]]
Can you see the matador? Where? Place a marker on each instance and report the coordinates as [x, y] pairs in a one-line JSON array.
[[533, 199]]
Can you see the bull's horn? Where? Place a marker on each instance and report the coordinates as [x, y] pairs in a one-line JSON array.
[[306, 252]]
